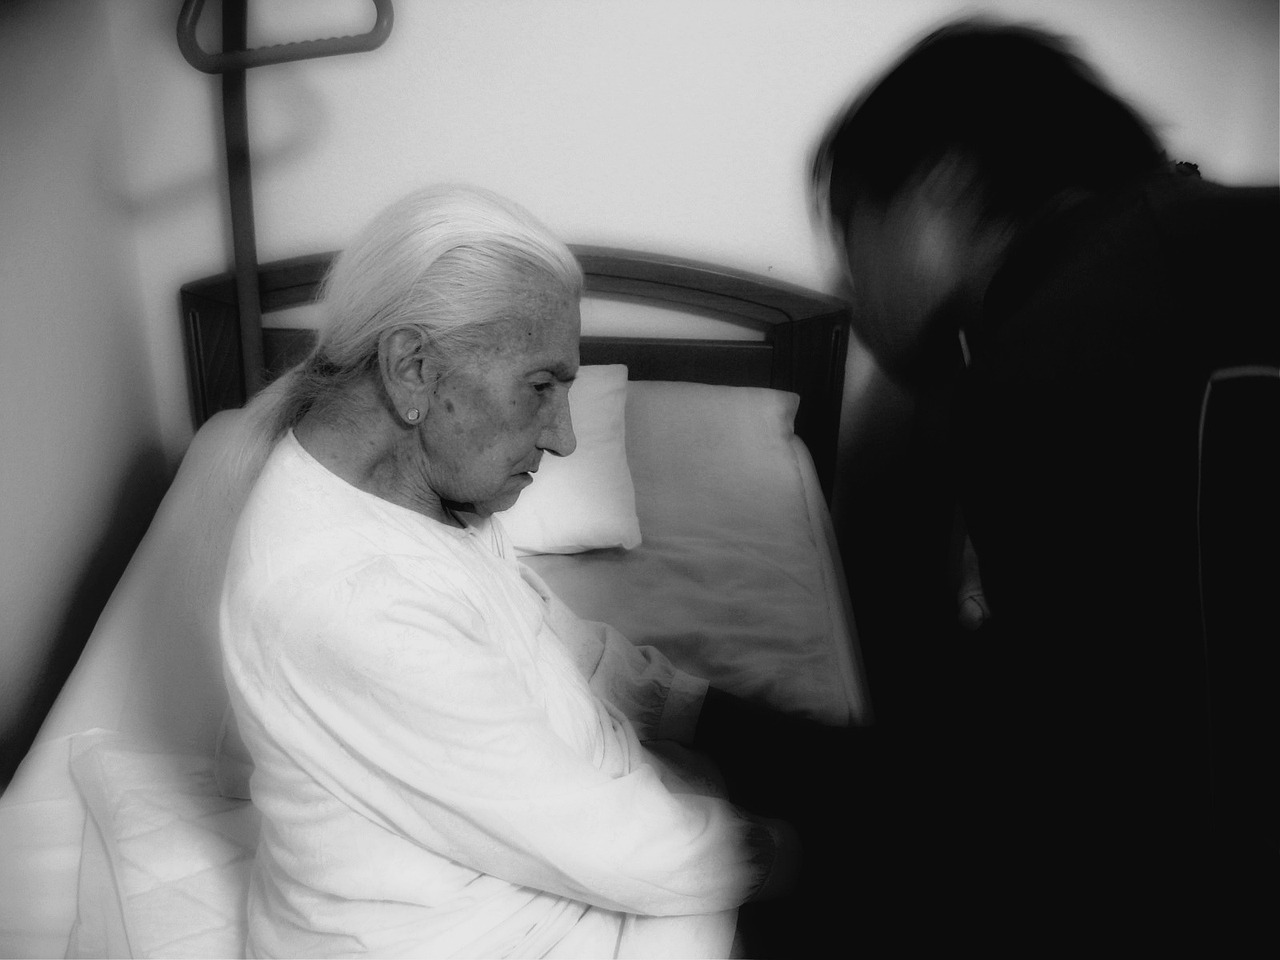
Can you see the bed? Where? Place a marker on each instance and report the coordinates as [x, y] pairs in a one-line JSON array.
[[710, 538], [693, 516]]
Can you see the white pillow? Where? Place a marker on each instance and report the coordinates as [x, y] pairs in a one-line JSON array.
[[585, 501], [164, 870]]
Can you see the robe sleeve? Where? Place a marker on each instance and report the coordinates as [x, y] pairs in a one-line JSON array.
[[401, 702], [662, 701]]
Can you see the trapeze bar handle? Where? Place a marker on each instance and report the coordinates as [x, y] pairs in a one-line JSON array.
[[278, 53]]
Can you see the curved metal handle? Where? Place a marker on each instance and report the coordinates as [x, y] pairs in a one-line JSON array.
[[278, 53]]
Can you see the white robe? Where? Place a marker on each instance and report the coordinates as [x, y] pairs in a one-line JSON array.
[[436, 773]]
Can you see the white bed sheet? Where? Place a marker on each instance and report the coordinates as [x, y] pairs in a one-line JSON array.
[[737, 578], [764, 614], [150, 671]]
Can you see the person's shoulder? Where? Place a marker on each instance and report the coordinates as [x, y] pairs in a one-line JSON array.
[[1208, 208], [1220, 234]]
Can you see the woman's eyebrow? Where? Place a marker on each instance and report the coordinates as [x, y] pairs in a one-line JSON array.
[[557, 370]]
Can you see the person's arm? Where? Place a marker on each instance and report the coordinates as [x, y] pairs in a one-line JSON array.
[[415, 715], [661, 701]]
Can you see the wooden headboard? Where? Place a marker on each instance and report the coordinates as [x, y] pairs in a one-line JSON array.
[[803, 350]]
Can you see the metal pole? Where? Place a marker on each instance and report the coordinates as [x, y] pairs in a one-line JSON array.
[[235, 121]]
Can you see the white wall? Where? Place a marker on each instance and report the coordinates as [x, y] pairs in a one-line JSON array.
[[683, 125], [680, 125], [81, 466]]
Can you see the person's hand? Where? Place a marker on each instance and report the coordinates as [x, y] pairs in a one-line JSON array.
[[777, 846]]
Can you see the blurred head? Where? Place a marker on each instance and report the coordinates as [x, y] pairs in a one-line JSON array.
[[459, 311], [923, 180]]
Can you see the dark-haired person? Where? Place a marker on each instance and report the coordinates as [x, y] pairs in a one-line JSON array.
[[1104, 326]]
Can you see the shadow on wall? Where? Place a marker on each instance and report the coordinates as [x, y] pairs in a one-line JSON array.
[[133, 503]]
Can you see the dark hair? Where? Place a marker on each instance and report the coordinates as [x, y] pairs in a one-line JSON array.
[[1025, 118]]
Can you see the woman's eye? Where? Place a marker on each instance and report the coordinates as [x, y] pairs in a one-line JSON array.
[[544, 385]]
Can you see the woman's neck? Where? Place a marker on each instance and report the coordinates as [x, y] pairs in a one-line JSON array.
[[356, 439]]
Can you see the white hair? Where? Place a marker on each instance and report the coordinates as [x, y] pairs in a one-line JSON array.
[[443, 259]]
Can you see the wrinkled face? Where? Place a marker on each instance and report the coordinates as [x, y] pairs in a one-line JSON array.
[[494, 412]]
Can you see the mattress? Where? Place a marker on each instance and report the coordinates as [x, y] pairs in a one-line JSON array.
[[737, 578]]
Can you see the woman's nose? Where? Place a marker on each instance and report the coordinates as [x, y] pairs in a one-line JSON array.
[[558, 437]]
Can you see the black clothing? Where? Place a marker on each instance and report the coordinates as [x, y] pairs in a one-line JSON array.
[[823, 781], [1079, 724]]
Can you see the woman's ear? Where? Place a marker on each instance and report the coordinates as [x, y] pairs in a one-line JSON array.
[[408, 371]]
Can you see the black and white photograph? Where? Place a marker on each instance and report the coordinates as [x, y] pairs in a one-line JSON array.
[[745, 479]]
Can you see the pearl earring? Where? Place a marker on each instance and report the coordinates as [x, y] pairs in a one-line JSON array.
[[412, 414]]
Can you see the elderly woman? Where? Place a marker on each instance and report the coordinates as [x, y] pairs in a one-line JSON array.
[[448, 762]]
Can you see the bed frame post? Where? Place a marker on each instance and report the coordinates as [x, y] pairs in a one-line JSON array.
[[235, 121], [809, 358]]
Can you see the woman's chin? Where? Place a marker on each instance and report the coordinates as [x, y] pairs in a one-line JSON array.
[[504, 499]]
